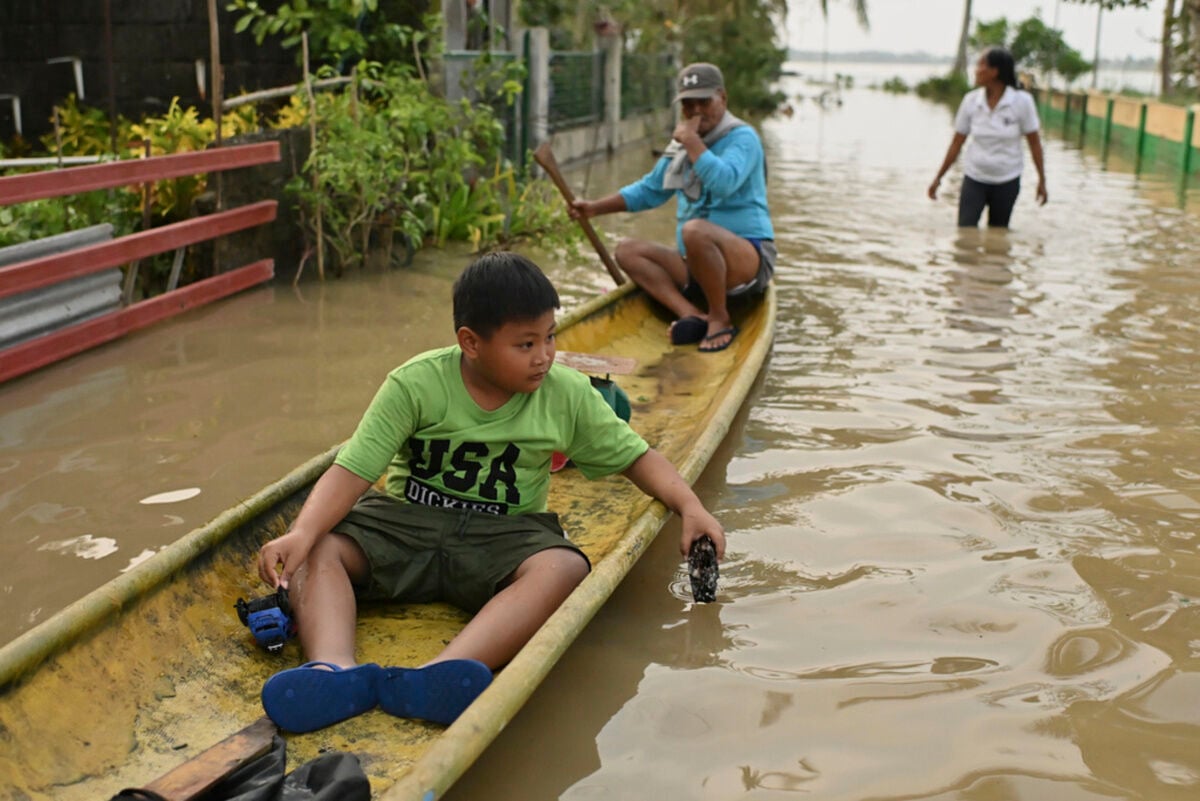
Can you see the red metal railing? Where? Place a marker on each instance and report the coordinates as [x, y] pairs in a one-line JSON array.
[[47, 270]]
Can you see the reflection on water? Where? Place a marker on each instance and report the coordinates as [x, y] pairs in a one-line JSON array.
[[962, 510], [962, 505]]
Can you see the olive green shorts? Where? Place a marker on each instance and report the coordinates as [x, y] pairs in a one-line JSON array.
[[419, 554]]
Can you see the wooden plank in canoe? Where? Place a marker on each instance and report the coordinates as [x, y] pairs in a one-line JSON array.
[[201, 772], [597, 363]]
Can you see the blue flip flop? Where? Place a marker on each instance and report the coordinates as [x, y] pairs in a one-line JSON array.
[[438, 692], [307, 698], [688, 330]]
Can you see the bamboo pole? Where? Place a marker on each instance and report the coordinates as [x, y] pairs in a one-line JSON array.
[[109, 73], [58, 138], [218, 91], [284, 91], [312, 144], [218, 80], [214, 56]]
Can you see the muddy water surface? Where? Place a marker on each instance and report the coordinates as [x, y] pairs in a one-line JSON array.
[[963, 503]]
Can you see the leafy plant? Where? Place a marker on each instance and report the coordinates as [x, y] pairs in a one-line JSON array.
[[293, 115], [84, 130], [948, 88], [240, 120], [341, 32], [391, 156], [179, 130], [332, 25], [36, 219]]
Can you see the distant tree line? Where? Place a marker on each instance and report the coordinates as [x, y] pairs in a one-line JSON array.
[[740, 36]]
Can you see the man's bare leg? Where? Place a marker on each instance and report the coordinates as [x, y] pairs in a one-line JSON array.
[[718, 260], [537, 587], [660, 272], [322, 595]]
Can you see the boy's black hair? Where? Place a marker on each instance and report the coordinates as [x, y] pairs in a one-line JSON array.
[[1001, 60], [500, 287]]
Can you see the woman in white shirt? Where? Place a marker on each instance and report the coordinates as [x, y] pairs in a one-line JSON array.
[[995, 115]]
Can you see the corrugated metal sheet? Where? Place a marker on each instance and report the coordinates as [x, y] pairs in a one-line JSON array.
[[41, 311]]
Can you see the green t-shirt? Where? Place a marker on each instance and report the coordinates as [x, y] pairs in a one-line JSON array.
[[440, 448]]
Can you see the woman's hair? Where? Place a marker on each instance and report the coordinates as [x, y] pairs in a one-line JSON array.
[[999, 59], [501, 287]]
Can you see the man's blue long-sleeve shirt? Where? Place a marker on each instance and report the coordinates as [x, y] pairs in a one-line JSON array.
[[735, 188]]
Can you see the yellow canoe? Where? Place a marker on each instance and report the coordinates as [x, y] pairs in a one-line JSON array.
[[154, 667]]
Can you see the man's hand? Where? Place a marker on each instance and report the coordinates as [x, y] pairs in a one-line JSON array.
[[580, 209], [687, 132], [933, 188], [1042, 195], [290, 550]]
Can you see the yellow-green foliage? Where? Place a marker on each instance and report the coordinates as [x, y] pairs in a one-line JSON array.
[[293, 115], [392, 156], [85, 131]]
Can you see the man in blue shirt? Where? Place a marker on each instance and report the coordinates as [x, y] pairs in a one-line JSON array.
[[725, 245]]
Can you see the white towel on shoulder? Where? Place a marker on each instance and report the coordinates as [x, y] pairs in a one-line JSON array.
[[680, 174]]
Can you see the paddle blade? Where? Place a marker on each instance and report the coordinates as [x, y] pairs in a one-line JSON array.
[[703, 571]]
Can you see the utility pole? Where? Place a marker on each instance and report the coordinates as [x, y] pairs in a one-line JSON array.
[[1053, 55], [1096, 50]]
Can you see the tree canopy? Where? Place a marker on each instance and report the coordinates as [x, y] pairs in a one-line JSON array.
[[1032, 43], [740, 36]]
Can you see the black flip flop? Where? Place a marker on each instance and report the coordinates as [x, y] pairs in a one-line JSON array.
[[688, 330], [732, 331]]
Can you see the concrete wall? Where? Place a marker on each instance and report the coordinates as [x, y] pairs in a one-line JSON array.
[[578, 144]]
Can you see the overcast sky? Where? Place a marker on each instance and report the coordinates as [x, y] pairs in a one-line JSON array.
[[933, 26]]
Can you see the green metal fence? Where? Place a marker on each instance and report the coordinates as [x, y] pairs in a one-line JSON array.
[[576, 89], [479, 74], [1088, 120], [647, 82]]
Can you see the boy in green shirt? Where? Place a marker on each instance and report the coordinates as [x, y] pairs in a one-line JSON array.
[[465, 435]]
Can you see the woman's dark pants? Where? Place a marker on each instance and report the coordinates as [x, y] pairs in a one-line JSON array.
[[999, 199]]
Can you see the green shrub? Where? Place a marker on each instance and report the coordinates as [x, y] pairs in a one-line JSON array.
[[944, 89], [392, 157]]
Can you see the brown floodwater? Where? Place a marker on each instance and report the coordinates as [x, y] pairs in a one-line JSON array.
[[962, 502]]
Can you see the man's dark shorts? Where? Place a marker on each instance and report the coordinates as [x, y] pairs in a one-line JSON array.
[[766, 268], [420, 554]]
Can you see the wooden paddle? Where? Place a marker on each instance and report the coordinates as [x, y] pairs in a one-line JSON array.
[[544, 156], [201, 772]]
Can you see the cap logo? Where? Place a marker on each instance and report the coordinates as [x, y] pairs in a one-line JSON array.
[[690, 80]]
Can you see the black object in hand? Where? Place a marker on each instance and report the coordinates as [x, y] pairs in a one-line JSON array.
[[702, 570]]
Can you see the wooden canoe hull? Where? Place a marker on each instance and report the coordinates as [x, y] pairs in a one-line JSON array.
[[154, 667]]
